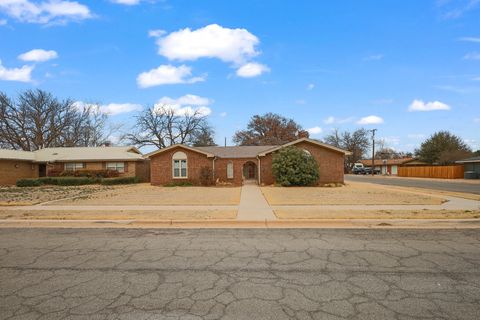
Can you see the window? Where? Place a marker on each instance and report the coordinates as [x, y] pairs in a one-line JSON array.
[[118, 166], [73, 166], [230, 170], [179, 160]]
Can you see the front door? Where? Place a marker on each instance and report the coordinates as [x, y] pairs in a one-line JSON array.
[[42, 170], [251, 171]]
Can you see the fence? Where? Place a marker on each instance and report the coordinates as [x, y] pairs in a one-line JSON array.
[[444, 172]]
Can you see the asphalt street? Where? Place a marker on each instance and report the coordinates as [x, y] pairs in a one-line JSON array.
[[418, 183], [239, 274]]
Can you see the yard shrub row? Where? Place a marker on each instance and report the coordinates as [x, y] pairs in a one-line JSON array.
[[122, 180], [90, 173], [74, 181]]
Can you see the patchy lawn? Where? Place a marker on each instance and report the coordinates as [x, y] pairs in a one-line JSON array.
[[147, 215], [314, 213], [351, 194], [14, 196], [145, 194]]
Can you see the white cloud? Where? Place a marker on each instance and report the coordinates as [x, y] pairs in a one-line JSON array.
[[118, 108], [300, 101], [126, 2], [111, 109], [374, 57], [156, 33], [472, 56], [167, 74], [49, 11], [3, 22], [419, 105], [212, 41], [310, 86], [333, 120], [370, 120], [223, 114], [315, 130], [252, 69], [23, 74], [38, 55], [470, 39], [476, 120], [185, 105]]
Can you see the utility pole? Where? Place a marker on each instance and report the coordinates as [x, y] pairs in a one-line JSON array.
[[373, 151]]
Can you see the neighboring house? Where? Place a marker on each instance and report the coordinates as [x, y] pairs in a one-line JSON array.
[[471, 165], [390, 166], [14, 165], [233, 165]]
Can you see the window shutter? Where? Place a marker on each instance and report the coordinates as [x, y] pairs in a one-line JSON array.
[[125, 164]]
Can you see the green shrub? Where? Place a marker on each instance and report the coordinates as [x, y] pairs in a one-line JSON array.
[[90, 173], [74, 181], [179, 184], [28, 183], [292, 166], [49, 180], [122, 180]]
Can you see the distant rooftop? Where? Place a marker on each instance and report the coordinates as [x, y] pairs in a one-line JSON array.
[[74, 154]]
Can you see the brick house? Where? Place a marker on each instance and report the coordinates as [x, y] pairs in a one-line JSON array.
[[14, 165], [390, 166], [236, 164]]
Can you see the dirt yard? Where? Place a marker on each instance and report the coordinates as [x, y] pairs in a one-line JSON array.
[[145, 194], [14, 196], [146, 215], [351, 194], [313, 213]]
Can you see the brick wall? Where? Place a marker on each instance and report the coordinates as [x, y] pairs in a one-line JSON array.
[[130, 167], [330, 163], [161, 166], [12, 170], [221, 170]]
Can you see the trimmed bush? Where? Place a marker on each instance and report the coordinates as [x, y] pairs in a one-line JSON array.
[[292, 166], [28, 183], [179, 184], [122, 180], [49, 180], [90, 173], [75, 181]]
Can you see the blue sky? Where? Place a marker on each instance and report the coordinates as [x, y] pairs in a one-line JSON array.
[[407, 68]]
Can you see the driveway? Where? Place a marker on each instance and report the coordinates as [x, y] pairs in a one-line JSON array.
[[418, 183], [239, 274]]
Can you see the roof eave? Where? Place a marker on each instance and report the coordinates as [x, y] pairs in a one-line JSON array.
[[324, 145], [149, 155]]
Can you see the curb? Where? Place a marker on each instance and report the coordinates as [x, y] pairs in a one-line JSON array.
[[266, 224]]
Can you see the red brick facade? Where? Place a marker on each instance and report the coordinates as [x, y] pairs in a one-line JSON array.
[[330, 162]]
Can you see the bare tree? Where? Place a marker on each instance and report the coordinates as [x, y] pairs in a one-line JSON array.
[[357, 142], [204, 137], [269, 129], [163, 126], [37, 119]]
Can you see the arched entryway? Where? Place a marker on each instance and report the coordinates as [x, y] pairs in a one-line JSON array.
[[250, 171]]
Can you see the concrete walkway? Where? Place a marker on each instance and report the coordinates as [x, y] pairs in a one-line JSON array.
[[253, 206]]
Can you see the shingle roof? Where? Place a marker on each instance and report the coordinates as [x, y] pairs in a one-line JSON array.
[[473, 159], [75, 154], [17, 155], [236, 151]]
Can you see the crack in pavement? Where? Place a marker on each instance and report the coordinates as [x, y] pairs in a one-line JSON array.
[[239, 274]]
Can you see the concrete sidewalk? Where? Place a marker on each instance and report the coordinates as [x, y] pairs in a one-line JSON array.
[[253, 206]]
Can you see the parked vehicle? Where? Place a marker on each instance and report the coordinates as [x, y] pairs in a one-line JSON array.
[[368, 170], [358, 168]]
